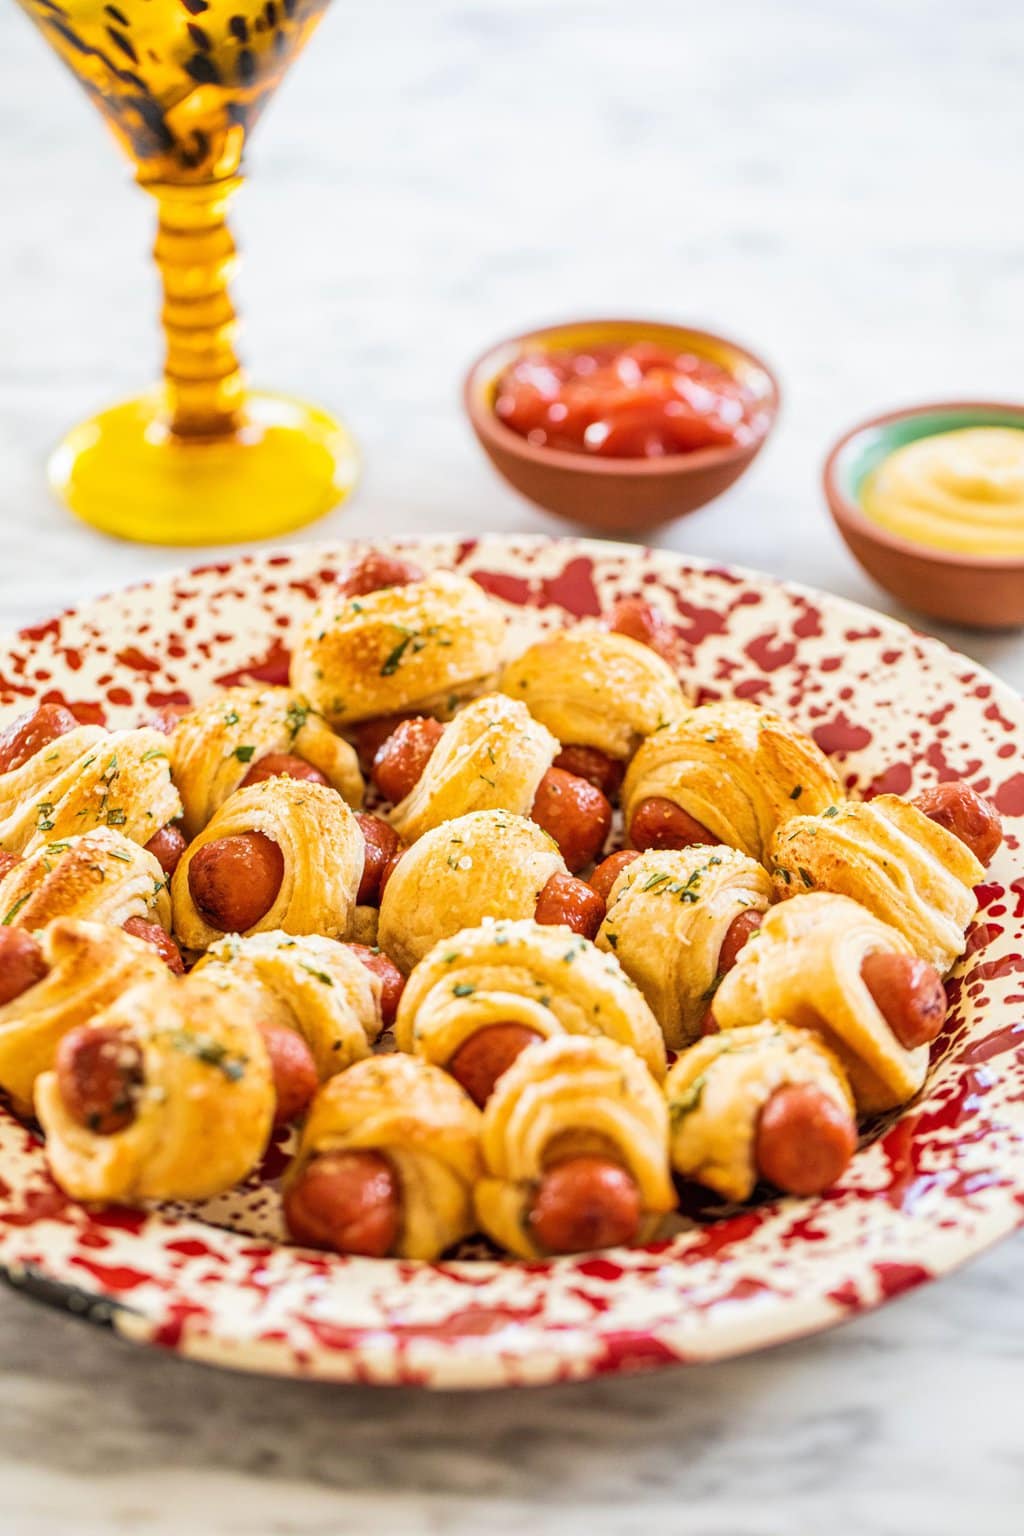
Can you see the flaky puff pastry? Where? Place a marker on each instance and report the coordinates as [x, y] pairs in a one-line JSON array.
[[417, 1117], [738, 770], [204, 1108], [213, 747], [101, 876], [322, 990], [88, 966], [888, 855], [804, 966], [491, 757], [423, 646], [488, 864], [323, 851], [718, 1088], [88, 778], [668, 914], [547, 979], [593, 688], [564, 1097]]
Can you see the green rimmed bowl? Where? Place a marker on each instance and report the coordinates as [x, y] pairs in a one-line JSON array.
[[979, 591]]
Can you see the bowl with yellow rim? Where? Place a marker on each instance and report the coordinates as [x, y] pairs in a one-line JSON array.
[[930, 501]]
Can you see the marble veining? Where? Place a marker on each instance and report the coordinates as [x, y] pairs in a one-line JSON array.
[[833, 184]]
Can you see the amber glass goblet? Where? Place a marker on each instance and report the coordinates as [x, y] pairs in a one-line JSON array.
[[201, 459]]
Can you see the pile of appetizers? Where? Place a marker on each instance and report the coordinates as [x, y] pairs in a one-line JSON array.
[[379, 904]]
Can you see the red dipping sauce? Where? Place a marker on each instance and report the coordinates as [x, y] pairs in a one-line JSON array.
[[638, 402]]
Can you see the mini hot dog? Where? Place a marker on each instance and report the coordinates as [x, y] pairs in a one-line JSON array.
[[965, 813], [570, 809], [765, 1101]]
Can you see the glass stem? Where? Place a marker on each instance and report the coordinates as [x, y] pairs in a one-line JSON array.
[[196, 256]]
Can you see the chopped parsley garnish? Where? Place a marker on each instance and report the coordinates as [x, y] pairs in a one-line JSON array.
[[688, 1101], [147, 757], [833, 810], [393, 661], [232, 717], [296, 716], [797, 792], [783, 874], [116, 817], [463, 989], [806, 876], [321, 976], [12, 914], [244, 754], [44, 817], [211, 1052]]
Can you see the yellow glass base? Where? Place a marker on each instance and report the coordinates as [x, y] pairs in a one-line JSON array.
[[125, 473]]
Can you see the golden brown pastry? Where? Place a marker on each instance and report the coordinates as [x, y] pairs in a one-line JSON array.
[[667, 920], [587, 1111], [216, 745], [806, 966], [423, 647], [888, 855], [487, 864], [723, 1131], [321, 990], [544, 980], [83, 967], [197, 1096], [491, 757], [100, 875], [593, 688], [88, 778], [737, 771], [321, 851], [423, 1133]]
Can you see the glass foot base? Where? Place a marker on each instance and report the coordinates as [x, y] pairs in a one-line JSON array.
[[125, 473]]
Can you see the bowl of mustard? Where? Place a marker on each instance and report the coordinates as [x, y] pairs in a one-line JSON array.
[[930, 501]]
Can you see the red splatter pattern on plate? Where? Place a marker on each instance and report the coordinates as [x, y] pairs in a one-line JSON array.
[[933, 1185]]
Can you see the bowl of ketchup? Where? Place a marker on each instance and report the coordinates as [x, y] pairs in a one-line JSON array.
[[620, 425]]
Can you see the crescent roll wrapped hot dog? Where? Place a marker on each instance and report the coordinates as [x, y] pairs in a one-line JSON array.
[[825, 963], [421, 646], [724, 773], [669, 917], [492, 756], [575, 1142], [888, 855], [84, 778], [593, 688], [487, 864], [387, 1162], [482, 996], [764, 1102], [326, 993], [101, 876], [166, 1095], [52, 983], [244, 734], [280, 854]]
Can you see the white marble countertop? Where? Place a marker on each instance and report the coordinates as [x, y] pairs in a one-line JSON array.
[[837, 184]]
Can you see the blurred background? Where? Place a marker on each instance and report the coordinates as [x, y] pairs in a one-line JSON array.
[[836, 185]]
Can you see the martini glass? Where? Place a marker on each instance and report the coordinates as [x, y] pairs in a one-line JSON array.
[[202, 458]]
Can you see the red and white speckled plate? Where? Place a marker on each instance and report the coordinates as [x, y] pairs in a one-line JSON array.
[[938, 1183]]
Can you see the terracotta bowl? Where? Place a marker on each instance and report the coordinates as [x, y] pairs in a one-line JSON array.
[[978, 591], [615, 495]]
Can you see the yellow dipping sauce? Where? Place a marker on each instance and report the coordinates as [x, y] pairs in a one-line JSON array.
[[961, 490]]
